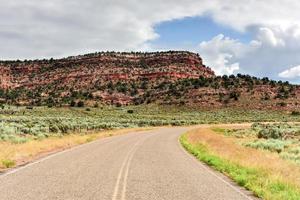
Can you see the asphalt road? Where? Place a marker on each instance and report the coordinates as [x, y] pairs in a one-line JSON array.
[[149, 165]]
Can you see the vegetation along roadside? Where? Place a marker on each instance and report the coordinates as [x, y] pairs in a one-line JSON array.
[[267, 174]]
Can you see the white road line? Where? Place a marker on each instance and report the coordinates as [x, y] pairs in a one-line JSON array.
[[123, 196], [126, 165], [116, 189], [211, 172]]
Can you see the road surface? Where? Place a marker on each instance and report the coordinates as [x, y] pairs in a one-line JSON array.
[[149, 165]]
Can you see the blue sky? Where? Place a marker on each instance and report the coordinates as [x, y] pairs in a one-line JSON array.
[[190, 31], [260, 38]]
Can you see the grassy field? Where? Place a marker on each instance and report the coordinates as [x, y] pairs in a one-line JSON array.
[[19, 125], [255, 157], [282, 139]]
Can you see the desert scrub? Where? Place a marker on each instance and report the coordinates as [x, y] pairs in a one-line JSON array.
[[280, 138], [7, 163], [276, 130], [273, 145], [238, 133], [42, 122], [292, 154], [260, 181]]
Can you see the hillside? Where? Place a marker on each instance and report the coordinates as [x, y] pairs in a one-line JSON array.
[[174, 77], [88, 71]]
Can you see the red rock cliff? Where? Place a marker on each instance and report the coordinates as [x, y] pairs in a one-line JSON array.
[[86, 71]]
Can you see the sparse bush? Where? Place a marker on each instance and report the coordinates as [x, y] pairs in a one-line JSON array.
[[53, 128], [96, 105], [295, 113], [266, 97], [234, 95], [7, 163], [270, 145], [282, 104], [18, 140], [118, 105], [290, 156], [80, 104], [73, 104], [270, 133], [274, 131], [130, 111]]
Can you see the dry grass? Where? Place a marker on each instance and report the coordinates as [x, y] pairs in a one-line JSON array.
[[29, 151], [228, 148]]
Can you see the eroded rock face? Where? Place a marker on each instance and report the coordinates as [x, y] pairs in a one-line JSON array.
[[5, 77], [174, 77], [84, 72]]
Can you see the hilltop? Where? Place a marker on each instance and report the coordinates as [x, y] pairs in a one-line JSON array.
[[174, 77], [76, 71]]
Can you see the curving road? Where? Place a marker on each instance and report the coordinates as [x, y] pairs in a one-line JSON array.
[[147, 165]]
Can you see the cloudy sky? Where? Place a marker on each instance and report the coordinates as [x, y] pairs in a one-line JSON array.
[[260, 38]]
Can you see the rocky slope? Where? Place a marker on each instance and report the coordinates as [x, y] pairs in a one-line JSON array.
[[174, 77], [83, 72]]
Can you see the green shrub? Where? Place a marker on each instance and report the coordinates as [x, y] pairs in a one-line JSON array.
[[296, 113], [270, 133], [295, 150], [272, 145], [7, 163], [275, 131], [282, 104], [80, 104], [40, 136], [18, 140], [290, 156], [53, 128], [118, 105], [73, 104], [96, 105]]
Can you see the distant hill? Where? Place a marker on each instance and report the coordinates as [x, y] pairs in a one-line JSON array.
[[173, 77]]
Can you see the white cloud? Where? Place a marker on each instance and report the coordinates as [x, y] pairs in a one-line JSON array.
[[291, 73], [219, 53], [222, 53], [242, 14], [269, 54], [268, 37], [35, 29], [278, 48]]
